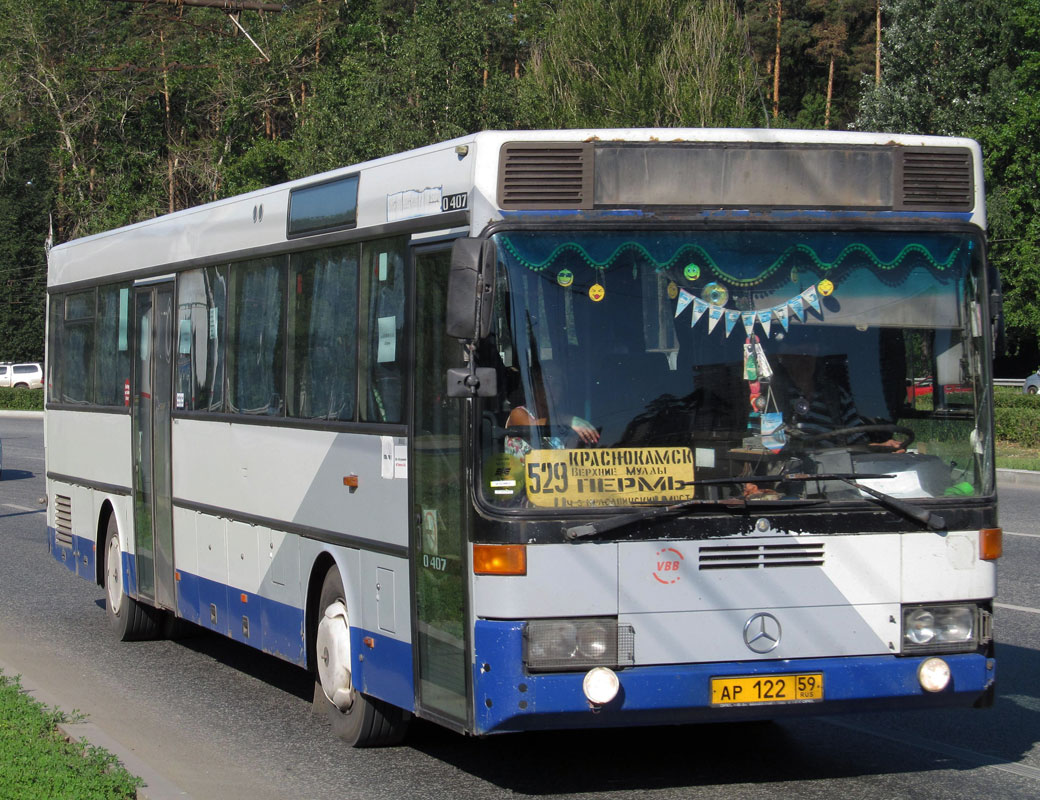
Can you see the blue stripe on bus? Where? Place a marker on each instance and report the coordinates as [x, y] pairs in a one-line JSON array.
[[274, 627], [508, 699], [279, 629]]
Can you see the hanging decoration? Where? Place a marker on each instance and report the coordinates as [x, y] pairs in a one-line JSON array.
[[762, 318]]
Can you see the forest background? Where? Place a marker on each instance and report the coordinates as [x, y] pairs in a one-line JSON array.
[[115, 111]]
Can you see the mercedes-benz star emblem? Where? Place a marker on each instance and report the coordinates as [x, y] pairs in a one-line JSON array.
[[762, 633]]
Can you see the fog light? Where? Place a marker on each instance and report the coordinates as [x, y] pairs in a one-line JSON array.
[[934, 674], [600, 685]]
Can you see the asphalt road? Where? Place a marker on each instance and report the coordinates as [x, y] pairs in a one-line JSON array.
[[222, 721]]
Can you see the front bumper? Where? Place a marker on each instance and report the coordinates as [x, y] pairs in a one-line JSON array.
[[506, 698]]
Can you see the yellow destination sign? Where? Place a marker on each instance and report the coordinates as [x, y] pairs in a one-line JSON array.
[[608, 477]]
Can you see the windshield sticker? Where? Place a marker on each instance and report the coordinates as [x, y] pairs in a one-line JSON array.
[[565, 277], [691, 272], [825, 287], [673, 292], [608, 477], [596, 292]]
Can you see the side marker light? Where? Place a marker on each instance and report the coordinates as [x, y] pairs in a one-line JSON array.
[[991, 543], [499, 559]]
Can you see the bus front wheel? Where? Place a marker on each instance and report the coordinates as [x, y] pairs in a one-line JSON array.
[[129, 619], [358, 719]]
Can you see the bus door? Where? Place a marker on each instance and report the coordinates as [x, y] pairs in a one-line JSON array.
[[150, 411], [438, 534]]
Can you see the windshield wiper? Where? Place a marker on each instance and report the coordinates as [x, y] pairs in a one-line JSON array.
[[923, 516], [920, 515]]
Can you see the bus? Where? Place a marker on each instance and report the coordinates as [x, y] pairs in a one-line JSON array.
[[551, 429]]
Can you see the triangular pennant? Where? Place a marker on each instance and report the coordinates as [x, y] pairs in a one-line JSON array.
[[764, 318], [798, 307], [748, 318], [685, 298], [781, 314], [811, 297], [699, 307], [714, 315], [731, 320]]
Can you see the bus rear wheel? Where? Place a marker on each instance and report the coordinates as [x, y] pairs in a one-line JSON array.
[[129, 619], [358, 719]]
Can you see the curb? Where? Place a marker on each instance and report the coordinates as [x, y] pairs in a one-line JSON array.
[[12, 414], [1018, 477], [155, 787]]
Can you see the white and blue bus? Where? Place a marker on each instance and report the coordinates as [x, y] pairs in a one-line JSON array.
[[551, 429]]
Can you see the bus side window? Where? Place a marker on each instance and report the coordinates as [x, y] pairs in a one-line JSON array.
[[383, 349]]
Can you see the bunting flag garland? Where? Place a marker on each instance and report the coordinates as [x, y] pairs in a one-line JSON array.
[[763, 318], [685, 298]]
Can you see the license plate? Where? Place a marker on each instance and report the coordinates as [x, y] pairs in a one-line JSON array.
[[756, 689]]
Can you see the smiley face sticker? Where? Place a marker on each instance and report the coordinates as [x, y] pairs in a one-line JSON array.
[[691, 272], [596, 292], [565, 277], [825, 288]]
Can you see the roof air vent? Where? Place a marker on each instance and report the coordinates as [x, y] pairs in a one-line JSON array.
[[545, 175], [934, 179]]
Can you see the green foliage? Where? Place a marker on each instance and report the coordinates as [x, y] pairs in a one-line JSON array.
[[36, 763], [972, 69], [21, 399], [643, 63], [1016, 417]]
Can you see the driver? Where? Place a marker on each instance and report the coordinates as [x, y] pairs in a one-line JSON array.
[[544, 409], [820, 403]]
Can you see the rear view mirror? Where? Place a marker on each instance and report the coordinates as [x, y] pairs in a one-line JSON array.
[[471, 288]]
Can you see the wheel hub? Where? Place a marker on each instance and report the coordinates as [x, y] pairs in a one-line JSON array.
[[333, 642]]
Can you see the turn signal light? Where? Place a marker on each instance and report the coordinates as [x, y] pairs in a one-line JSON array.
[[991, 543], [499, 559]]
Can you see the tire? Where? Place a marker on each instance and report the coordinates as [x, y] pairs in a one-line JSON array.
[[21, 386], [359, 720], [128, 619], [1032, 390]]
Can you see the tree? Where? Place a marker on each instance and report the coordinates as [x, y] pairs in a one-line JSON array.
[[643, 63], [971, 69]]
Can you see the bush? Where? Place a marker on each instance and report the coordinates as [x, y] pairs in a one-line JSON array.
[[21, 399]]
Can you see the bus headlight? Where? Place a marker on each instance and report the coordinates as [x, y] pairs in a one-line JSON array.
[[561, 645], [942, 628]]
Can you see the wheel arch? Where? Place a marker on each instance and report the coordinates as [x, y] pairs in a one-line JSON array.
[[319, 569]]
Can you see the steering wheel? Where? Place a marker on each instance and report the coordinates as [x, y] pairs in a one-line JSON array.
[[884, 427]]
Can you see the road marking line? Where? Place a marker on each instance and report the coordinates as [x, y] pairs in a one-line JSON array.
[[21, 508], [1030, 535], [971, 756], [1027, 609]]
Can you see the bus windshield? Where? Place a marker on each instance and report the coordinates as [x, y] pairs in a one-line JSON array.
[[655, 367]]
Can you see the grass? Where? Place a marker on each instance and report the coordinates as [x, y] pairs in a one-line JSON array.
[[38, 763], [1015, 456]]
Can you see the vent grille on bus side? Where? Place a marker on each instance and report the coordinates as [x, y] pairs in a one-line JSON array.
[[545, 175], [935, 179], [761, 556], [63, 520]]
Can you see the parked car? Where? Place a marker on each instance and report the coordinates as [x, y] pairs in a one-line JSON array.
[[1032, 384], [22, 376]]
